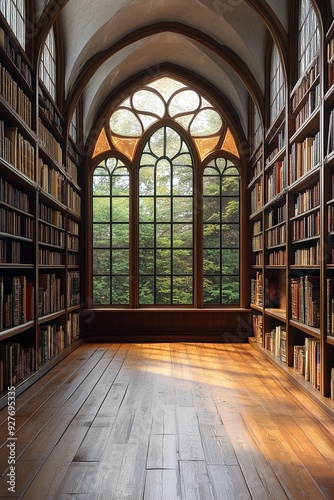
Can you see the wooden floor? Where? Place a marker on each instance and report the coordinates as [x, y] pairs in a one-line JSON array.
[[167, 422]]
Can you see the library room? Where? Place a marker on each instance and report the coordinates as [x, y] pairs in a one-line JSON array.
[[167, 249]]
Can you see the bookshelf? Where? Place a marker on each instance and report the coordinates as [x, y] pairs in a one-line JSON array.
[[40, 219], [297, 216]]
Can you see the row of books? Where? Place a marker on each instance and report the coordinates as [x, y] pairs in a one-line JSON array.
[[14, 96], [304, 156], [330, 306], [48, 257], [73, 326], [73, 200], [16, 150], [10, 251], [307, 199], [16, 224], [330, 219], [305, 300], [306, 83], [13, 196], [14, 55], [16, 301], [16, 363], [52, 341], [306, 359], [72, 243], [306, 227], [312, 102], [275, 342], [72, 170], [51, 235], [264, 292], [276, 180], [276, 236], [73, 288], [280, 145], [257, 327], [308, 256], [72, 227], [50, 297], [257, 242], [51, 216], [73, 259], [277, 215], [52, 181], [49, 110], [256, 197], [277, 258], [47, 139]]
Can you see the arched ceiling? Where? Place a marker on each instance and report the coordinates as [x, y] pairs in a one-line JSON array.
[[110, 42]]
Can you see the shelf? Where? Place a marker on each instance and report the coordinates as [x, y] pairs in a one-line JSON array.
[[42, 370], [51, 316], [308, 126], [307, 212], [326, 404], [276, 313], [257, 308], [315, 332], [15, 330]]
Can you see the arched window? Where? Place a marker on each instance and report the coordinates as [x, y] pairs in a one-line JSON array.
[[47, 69], [111, 233], [166, 222], [308, 36], [277, 86], [15, 14]]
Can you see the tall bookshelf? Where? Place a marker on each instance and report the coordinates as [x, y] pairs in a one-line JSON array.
[[297, 216], [40, 223]]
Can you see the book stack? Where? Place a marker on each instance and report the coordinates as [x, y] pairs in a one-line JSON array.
[[304, 156], [257, 327], [50, 298], [257, 290], [73, 288], [11, 51], [51, 342], [305, 300], [16, 301], [16, 363], [16, 150], [49, 142], [330, 306], [275, 342]]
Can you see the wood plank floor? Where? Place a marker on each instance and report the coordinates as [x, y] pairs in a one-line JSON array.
[[167, 422]]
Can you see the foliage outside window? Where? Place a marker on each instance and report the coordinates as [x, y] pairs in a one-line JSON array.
[[308, 36], [47, 70], [160, 220], [221, 227], [111, 233], [277, 86], [14, 13]]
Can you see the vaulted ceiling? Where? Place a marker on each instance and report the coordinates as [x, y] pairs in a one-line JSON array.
[[109, 43]]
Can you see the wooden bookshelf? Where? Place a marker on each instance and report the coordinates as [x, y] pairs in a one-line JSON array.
[[40, 217]]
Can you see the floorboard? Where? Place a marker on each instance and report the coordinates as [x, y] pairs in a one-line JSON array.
[[179, 421]]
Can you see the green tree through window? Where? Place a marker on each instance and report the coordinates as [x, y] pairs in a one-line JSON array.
[[166, 220], [163, 233]]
